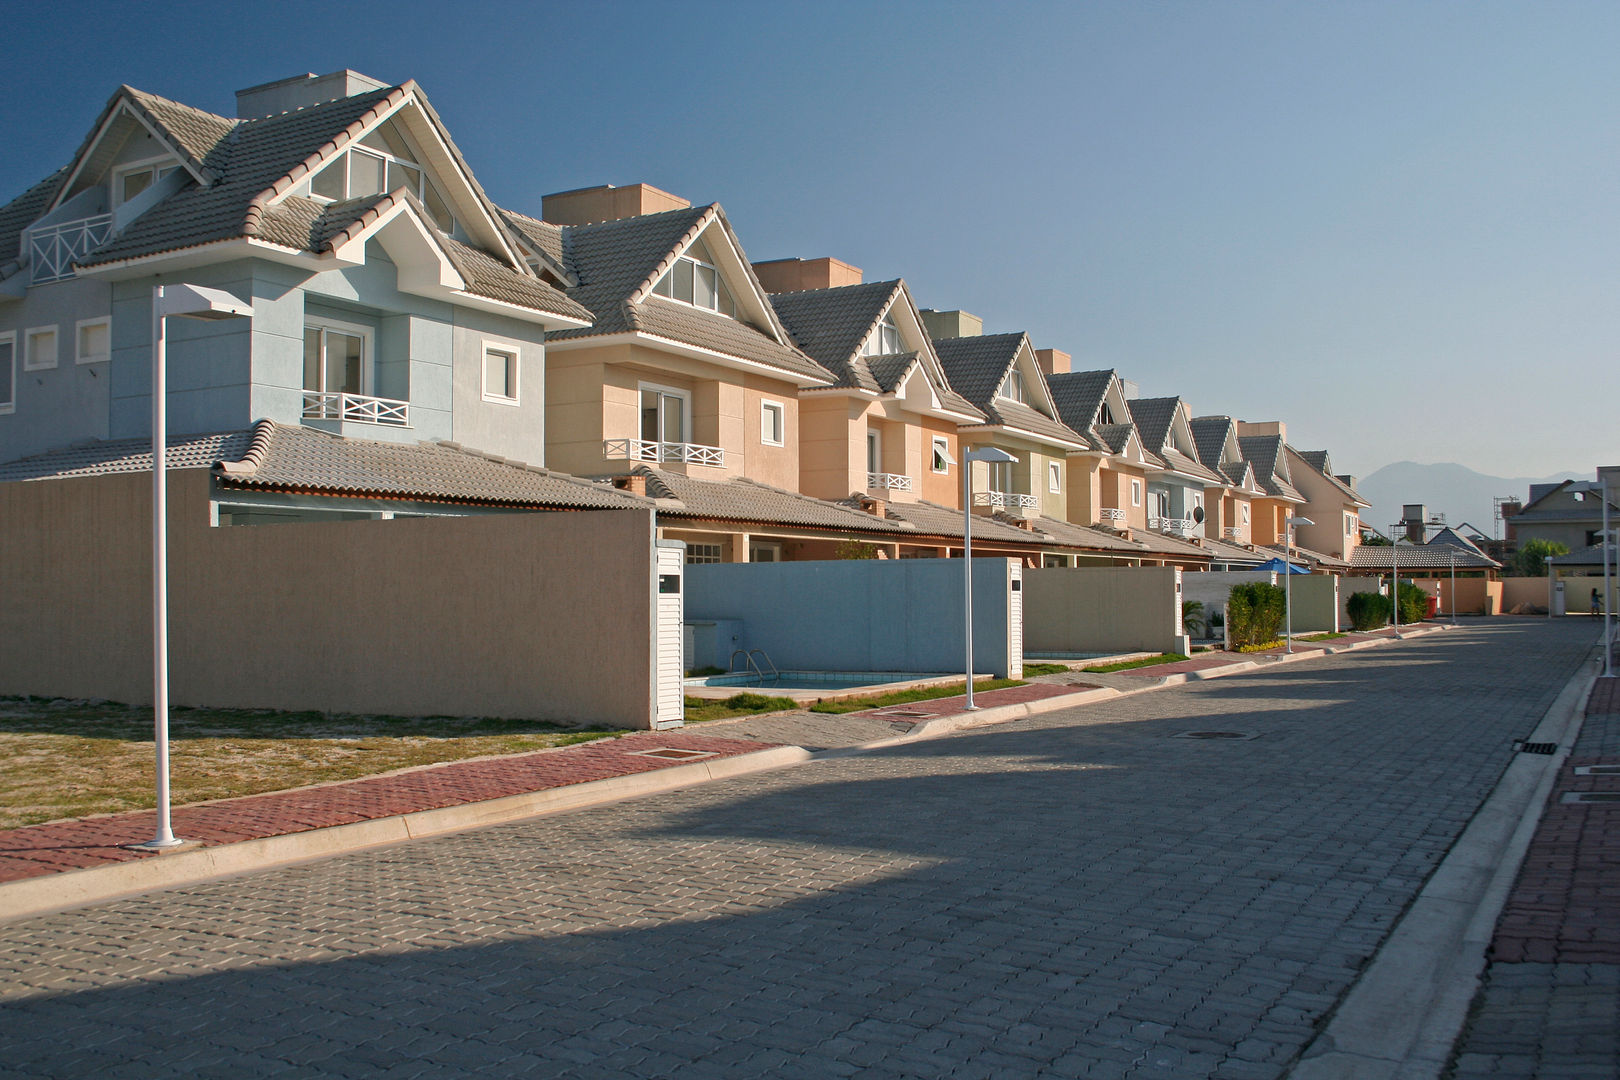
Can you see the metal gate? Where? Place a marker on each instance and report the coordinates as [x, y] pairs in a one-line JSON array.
[[669, 709]]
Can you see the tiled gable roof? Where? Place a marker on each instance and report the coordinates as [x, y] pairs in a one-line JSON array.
[[284, 457], [1078, 395], [1153, 417], [487, 276], [1187, 466], [1164, 544], [976, 366], [1418, 557], [197, 134], [1209, 435], [1318, 462], [22, 212], [127, 455], [613, 260], [1265, 453], [739, 499], [1115, 436], [932, 519], [1223, 552], [830, 325], [1069, 534]]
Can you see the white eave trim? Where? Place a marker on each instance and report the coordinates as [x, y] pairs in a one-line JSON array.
[[679, 348], [1028, 436], [210, 252], [124, 106]]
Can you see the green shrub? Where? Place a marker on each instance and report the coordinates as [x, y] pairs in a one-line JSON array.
[[1414, 603], [1255, 613], [1368, 610], [1531, 560], [1192, 618]]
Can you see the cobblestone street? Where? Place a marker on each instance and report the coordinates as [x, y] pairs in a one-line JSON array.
[[1080, 894]]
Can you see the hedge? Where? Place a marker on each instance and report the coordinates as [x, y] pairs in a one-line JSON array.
[[1255, 613], [1368, 610]]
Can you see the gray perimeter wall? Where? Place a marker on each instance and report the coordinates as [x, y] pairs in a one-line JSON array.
[[1214, 587], [860, 614], [544, 616], [1317, 607], [1103, 609]]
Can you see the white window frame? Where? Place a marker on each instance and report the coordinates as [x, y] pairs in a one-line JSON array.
[[1136, 492], [78, 340], [153, 163], [31, 362], [1014, 380], [940, 460], [874, 450], [766, 407], [506, 349], [1245, 513], [9, 405], [368, 352], [1054, 476], [874, 343], [719, 280], [685, 397], [705, 553]]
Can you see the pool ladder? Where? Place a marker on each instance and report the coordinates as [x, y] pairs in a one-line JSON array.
[[748, 658]]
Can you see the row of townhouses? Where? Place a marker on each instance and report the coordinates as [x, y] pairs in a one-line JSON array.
[[415, 349]]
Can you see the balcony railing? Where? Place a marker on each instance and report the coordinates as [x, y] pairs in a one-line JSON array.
[[1182, 527], [1004, 500], [885, 481], [1111, 513], [1231, 532], [648, 450], [54, 248], [360, 408]]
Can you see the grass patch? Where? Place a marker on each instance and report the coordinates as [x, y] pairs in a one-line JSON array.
[[1032, 670], [701, 709], [1323, 637], [902, 697], [71, 758], [1145, 661]]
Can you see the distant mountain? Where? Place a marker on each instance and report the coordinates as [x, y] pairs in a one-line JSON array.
[[1448, 488]]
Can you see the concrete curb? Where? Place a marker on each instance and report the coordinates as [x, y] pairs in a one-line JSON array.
[[1401, 1018], [75, 888]]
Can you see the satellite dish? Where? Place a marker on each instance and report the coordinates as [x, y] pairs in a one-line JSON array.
[[1198, 515]]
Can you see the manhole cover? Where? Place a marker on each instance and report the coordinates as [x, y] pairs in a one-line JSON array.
[[1597, 770], [1591, 797], [671, 753], [1240, 735]]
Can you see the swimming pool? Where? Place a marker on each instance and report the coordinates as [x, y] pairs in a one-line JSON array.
[[813, 680]]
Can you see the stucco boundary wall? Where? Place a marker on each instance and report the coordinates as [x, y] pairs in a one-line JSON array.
[[1213, 588], [1524, 590], [1475, 596], [1104, 609], [865, 614], [527, 615]]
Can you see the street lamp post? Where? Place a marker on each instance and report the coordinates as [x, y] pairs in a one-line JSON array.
[[1452, 555], [1288, 574], [994, 455], [1601, 489], [1395, 575], [188, 302]]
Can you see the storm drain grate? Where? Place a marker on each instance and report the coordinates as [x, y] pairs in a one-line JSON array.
[[1537, 747], [671, 753], [906, 712], [1597, 770], [1239, 735], [1591, 797]]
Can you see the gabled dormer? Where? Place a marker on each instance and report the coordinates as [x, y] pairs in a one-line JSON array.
[[1001, 376]]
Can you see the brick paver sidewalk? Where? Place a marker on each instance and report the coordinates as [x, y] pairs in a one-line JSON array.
[[984, 699], [1550, 1004], [97, 841]]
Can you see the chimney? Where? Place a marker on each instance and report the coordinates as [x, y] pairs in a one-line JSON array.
[[1052, 361], [285, 95], [1270, 427], [796, 275], [634, 484], [607, 203], [875, 507], [951, 324], [1130, 390]]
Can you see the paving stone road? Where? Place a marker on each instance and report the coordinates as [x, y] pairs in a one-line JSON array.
[[1075, 895]]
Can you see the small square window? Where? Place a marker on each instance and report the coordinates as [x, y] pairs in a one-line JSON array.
[[772, 424], [1136, 493], [94, 343], [39, 350], [501, 374], [1054, 476], [942, 455], [702, 553]]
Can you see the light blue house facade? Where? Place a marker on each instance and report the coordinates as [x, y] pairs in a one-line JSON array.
[[391, 300]]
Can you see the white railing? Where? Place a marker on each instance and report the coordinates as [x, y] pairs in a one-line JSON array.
[[648, 450], [1231, 532], [1155, 521], [361, 408], [1002, 500], [1179, 526], [888, 481], [53, 248], [1111, 513]]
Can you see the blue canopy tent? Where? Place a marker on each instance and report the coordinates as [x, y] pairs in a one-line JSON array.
[[1276, 566]]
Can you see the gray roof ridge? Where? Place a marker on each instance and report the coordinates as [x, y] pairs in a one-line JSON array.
[[830, 289]]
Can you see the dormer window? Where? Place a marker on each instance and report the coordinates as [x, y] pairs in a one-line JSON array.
[[131, 180], [1013, 388], [380, 163], [1106, 415], [885, 340], [695, 280]]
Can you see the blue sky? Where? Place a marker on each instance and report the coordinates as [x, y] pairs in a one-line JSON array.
[[1393, 226]]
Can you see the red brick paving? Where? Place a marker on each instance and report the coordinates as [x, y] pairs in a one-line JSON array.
[[1565, 905], [984, 699], [68, 845]]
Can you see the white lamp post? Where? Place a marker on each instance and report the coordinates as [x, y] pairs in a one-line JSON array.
[[188, 302], [1601, 489], [1452, 555], [997, 456], [1395, 575], [1288, 573]]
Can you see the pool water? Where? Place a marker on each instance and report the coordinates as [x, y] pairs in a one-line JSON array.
[[811, 680]]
